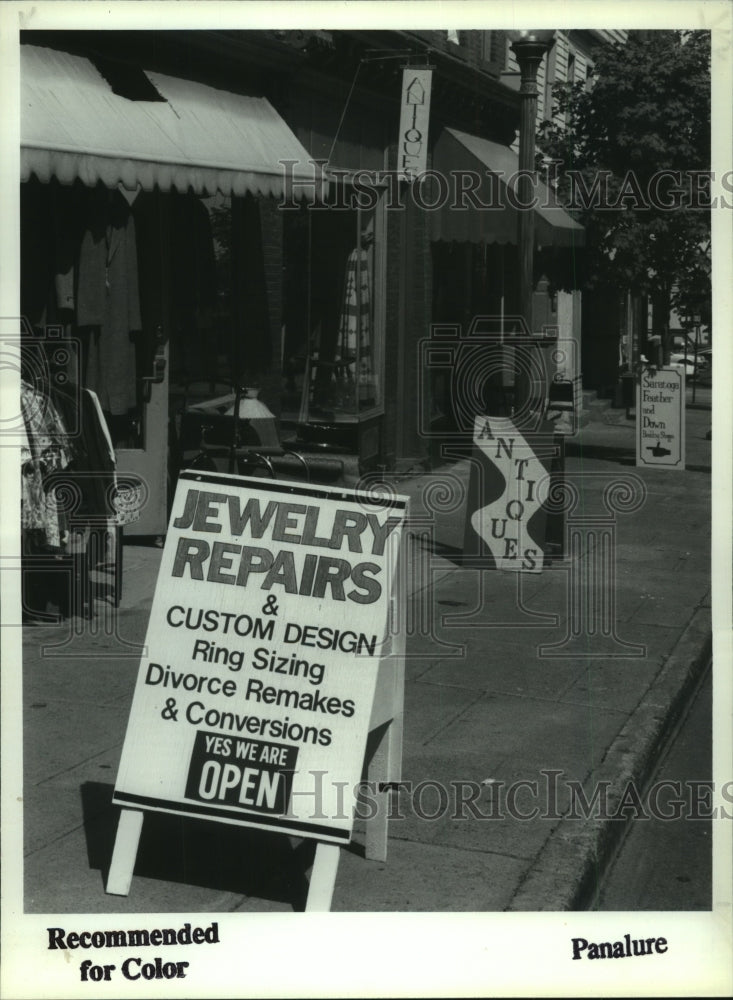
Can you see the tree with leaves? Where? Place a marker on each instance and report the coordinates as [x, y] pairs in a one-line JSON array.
[[629, 151]]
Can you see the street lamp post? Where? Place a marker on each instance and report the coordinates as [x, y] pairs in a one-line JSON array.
[[696, 322], [529, 48]]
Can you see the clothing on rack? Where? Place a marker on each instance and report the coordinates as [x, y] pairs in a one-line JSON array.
[[355, 326], [44, 452], [91, 469], [67, 453], [107, 301], [69, 499], [119, 505], [355, 345], [355, 334]]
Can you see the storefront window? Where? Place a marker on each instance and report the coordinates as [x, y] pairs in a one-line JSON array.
[[222, 311], [332, 326]]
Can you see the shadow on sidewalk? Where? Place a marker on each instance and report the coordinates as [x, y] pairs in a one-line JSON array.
[[603, 452], [210, 855], [612, 453]]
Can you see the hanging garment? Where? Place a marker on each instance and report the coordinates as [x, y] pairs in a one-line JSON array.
[[44, 452], [91, 468], [354, 326], [107, 451], [355, 334], [121, 503], [107, 301]]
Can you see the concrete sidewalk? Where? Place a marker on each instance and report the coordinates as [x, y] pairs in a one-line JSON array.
[[509, 699]]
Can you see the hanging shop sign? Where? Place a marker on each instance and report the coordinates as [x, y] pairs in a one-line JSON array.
[[253, 700], [660, 418], [412, 146], [508, 487]]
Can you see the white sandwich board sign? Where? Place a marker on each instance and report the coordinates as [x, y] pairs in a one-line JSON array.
[[660, 418], [254, 695]]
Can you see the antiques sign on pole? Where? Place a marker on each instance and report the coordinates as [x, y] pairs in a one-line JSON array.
[[412, 145]]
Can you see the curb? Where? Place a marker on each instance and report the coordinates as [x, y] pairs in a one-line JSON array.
[[570, 864]]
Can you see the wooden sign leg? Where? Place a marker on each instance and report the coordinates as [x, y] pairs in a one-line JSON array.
[[323, 878], [129, 829], [386, 763], [375, 847]]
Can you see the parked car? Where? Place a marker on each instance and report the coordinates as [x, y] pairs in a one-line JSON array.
[[688, 362]]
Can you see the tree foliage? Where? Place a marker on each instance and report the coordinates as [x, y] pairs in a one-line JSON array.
[[630, 152]]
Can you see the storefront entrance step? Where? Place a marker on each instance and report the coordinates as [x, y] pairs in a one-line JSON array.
[[322, 469]]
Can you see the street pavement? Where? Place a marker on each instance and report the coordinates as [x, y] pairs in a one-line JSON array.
[[514, 691], [666, 864]]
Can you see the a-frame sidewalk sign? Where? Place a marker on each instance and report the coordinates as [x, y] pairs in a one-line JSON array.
[[270, 633]]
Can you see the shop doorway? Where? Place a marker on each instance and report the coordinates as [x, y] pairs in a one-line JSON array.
[[332, 330]]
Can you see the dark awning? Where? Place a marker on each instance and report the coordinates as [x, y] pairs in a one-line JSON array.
[[497, 167], [73, 126]]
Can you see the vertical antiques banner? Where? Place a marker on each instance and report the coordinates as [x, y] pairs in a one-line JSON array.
[[412, 146]]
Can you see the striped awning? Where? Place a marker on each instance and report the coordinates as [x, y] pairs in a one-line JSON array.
[[73, 125], [490, 213]]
